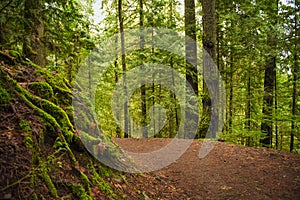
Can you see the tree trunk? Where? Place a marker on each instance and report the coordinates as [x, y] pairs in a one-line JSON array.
[[121, 27], [190, 56], [269, 83], [143, 87], [116, 70], [267, 125], [209, 53], [190, 44], [230, 93], [294, 100], [33, 46], [275, 112]]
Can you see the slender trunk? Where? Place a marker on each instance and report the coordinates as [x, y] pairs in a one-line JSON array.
[[230, 93], [143, 87], [209, 54], [248, 107], [116, 70], [173, 96], [123, 58], [294, 102], [191, 58], [275, 112], [153, 80], [295, 76]]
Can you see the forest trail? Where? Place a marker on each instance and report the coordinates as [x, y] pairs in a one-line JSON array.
[[227, 172]]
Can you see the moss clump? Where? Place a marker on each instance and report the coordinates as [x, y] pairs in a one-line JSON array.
[[42, 89], [59, 84], [47, 179], [102, 184], [80, 192], [25, 126], [4, 96], [88, 139], [105, 171], [33, 181], [60, 115], [86, 182]]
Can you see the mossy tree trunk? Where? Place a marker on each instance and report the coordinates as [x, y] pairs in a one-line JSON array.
[[33, 46]]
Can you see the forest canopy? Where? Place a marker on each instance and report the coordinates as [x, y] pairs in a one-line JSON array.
[[254, 44]]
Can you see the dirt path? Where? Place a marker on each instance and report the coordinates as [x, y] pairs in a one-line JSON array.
[[227, 172]]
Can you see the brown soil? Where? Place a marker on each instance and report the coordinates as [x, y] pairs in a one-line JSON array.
[[227, 172]]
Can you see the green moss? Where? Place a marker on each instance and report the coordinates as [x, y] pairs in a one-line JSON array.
[[102, 184], [70, 112], [29, 142], [33, 102], [25, 126], [105, 171], [86, 182], [34, 185], [80, 192], [42, 89], [88, 139], [4, 96], [48, 182], [60, 116], [59, 85]]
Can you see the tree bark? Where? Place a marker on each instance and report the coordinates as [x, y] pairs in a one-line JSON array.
[[123, 58], [209, 54], [269, 83], [191, 59], [33, 46], [143, 87], [295, 77]]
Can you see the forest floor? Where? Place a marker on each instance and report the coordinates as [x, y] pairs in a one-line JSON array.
[[227, 172]]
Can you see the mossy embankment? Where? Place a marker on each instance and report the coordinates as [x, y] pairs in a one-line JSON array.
[[42, 156]]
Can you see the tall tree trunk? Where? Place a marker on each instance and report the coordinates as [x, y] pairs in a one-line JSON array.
[[269, 83], [248, 107], [230, 92], [190, 55], [275, 112], [190, 44], [33, 46], [116, 70], [121, 27], [294, 101], [153, 79], [295, 76], [209, 45], [143, 87], [267, 125], [173, 96]]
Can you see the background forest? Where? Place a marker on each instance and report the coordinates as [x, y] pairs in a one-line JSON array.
[[255, 45]]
